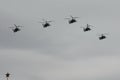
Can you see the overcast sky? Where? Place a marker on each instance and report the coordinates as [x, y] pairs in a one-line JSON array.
[[62, 51]]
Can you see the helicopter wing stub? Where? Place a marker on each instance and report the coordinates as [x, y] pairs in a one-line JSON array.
[[15, 25]]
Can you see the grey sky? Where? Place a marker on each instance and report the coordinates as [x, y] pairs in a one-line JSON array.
[[62, 51]]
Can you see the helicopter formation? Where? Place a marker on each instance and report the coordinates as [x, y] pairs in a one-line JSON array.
[[71, 20]]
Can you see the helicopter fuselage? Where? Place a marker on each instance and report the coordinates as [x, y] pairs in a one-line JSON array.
[[16, 30], [102, 37], [46, 25], [72, 21], [7, 75], [87, 29]]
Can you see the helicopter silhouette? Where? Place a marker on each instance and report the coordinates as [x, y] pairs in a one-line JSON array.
[[7, 74], [72, 19], [46, 23], [16, 28], [87, 28], [102, 36]]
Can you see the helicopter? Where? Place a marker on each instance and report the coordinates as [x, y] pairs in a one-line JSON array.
[[72, 19], [16, 28], [87, 28], [46, 23], [7, 74], [102, 36]]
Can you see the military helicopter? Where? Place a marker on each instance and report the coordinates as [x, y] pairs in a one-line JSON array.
[[102, 36], [87, 28], [7, 75], [46, 23], [16, 28], [72, 19]]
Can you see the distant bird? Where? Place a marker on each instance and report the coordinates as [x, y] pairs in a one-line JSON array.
[[16, 28], [46, 23], [87, 28], [72, 19], [102, 36]]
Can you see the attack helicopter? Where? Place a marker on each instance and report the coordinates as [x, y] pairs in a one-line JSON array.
[[45, 23], [16, 28], [7, 75], [87, 28], [102, 36], [72, 19]]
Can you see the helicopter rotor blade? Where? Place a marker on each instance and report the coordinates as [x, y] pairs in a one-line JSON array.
[[14, 24], [102, 34], [49, 21], [20, 26], [67, 18], [90, 25], [11, 27], [71, 16], [105, 34], [75, 17], [41, 22], [17, 25]]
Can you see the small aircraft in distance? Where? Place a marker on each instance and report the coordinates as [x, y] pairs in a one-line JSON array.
[[87, 28], [46, 23], [7, 74], [16, 28], [102, 36], [72, 19]]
